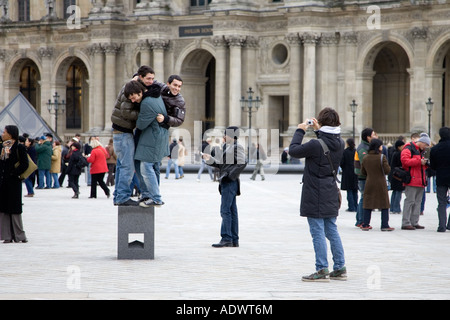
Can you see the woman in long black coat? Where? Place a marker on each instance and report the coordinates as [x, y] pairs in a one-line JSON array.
[[349, 181], [11, 186]]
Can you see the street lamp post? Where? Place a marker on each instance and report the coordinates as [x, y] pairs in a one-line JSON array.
[[429, 105], [54, 107], [353, 107], [247, 105]]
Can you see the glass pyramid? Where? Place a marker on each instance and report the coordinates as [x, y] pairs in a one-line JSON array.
[[21, 113]]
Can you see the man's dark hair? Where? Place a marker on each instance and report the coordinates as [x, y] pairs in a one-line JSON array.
[[144, 70], [444, 132], [232, 132], [174, 77], [367, 132], [328, 117], [133, 87]]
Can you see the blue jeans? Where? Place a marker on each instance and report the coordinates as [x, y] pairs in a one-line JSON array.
[[360, 212], [175, 167], [124, 148], [48, 179], [228, 211], [149, 175], [29, 185], [396, 198], [55, 180], [200, 171], [322, 229]]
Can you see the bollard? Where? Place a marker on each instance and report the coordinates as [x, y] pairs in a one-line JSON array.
[[136, 220]]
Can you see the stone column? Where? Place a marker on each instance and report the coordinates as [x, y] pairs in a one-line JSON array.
[[235, 79], [221, 83], [434, 81], [309, 75], [47, 91], [328, 88], [418, 93], [97, 110], [158, 47], [249, 71], [144, 49], [350, 49], [111, 50], [295, 90], [2, 78]]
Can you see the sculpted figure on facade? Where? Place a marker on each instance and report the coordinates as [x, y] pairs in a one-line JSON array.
[[4, 11], [50, 5]]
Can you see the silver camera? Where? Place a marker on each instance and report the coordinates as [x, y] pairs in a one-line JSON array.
[[309, 122]]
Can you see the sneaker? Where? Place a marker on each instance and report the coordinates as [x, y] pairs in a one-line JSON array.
[[339, 274], [150, 203], [319, 276], [387, 229], [128, 203], [143, 199]]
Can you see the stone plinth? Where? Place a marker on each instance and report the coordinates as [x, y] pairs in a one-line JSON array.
[[136, 221]]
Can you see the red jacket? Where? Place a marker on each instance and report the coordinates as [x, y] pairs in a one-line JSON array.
[[418, 176], [98, 160]]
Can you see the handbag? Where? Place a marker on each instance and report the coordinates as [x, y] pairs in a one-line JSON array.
[[326, 151], [32, 167]]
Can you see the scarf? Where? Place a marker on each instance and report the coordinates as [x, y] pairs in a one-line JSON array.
[[6, 149], [332, 130]]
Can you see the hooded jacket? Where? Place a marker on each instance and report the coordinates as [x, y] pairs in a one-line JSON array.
[[440, 158], [320, 197]]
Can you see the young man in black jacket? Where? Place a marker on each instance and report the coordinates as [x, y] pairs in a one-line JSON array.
[[231, 162]]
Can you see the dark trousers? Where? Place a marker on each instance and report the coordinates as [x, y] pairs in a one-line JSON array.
[[384, 217], [73, 183], [98, 178], [352, 200], [441, 194]]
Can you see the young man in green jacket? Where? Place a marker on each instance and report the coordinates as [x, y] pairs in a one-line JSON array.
[[44, 151]]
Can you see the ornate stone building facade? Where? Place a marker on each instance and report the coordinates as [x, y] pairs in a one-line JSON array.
[[297, 55]]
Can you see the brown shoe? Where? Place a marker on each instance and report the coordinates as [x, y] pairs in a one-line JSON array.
[[29, 195], [408, 228], [419, 226]]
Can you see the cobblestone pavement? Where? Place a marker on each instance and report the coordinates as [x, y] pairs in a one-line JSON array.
[[72, 249]]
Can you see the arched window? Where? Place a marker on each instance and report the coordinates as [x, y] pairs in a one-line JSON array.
[[74, 97], [28, 83]]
